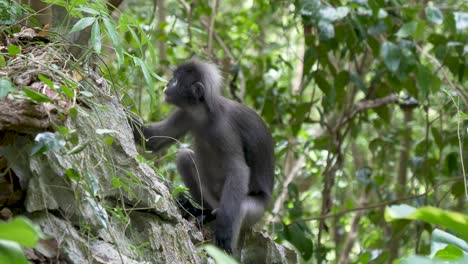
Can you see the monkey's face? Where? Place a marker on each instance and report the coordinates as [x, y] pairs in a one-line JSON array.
[[184, 89]]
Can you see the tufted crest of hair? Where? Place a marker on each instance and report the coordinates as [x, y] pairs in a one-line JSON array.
[[210, 75]]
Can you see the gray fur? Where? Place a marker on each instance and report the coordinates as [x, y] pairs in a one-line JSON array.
[[232, 167]]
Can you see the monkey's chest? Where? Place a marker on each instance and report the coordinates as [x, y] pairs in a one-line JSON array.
[[210, 164]]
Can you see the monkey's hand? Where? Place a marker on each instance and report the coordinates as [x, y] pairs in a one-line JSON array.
[[223, 233], [188, 211]]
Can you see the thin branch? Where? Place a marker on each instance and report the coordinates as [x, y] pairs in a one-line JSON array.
[[185, 6], [378, 205], [284, 189], [220, 41], [214, 10]]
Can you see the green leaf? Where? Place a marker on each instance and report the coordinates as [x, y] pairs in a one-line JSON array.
[[424, 77], [86, 94], [20, 230], [96, 37], [13, 50], [108, 140], [407, 29], [437, 137], [341, 80], [327, 31], [6, 87], [452, 162], [218, 255], [83, 23], [67, 91], [11, 252], [434, 15], [177, 190], [332, 14], [310, 57], [416, 260], [391, 54], [73, 174], [47, 141], [420, 29], [35, 96], [88, 10], [322, 82], [456, 222], [441, 239], [450, 252], [77, 148], [146, 73], [46, 80], [296, 234], [114, 38], [461, 20], [2, 61], [73, 111]]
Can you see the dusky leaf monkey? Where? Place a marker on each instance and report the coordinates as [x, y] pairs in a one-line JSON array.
[[231, 169]]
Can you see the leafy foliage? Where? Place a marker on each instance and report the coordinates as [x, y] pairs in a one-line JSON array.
[[367, 102], [17, 233]]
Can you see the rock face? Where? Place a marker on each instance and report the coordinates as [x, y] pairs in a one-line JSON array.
[[91, 195]]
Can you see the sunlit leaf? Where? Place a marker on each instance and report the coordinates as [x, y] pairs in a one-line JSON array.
[[67, 91], [13, 50], [20, 230], [455, 221], [96, 37], [11, 252], [407, 29], [35, 96], [332, 14], [46, 80], [450, 252], [434, 15], [47, 141], [77, 149], [86, 94], [441, 239], [114, 38], [6, 87], [73, 174], [177, 190], [327, 31], [88, 10], [2, 61], [461, 20], [83, 23], [218, 255]]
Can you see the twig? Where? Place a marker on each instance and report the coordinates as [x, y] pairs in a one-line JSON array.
[[214, 9], [377, 205]]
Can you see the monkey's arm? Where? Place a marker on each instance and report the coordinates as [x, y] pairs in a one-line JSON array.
[[161, 134]]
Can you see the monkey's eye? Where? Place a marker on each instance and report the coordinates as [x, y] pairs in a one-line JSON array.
[[173, 82]]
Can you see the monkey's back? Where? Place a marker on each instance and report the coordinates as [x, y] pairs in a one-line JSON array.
[[257, 144]]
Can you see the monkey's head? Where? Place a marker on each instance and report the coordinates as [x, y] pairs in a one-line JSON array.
[[194, 82]]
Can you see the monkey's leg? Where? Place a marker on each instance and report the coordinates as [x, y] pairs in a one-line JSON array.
[[251, 211], [187, 170]]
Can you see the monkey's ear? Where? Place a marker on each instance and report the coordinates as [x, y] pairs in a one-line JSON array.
[[198, 90]]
